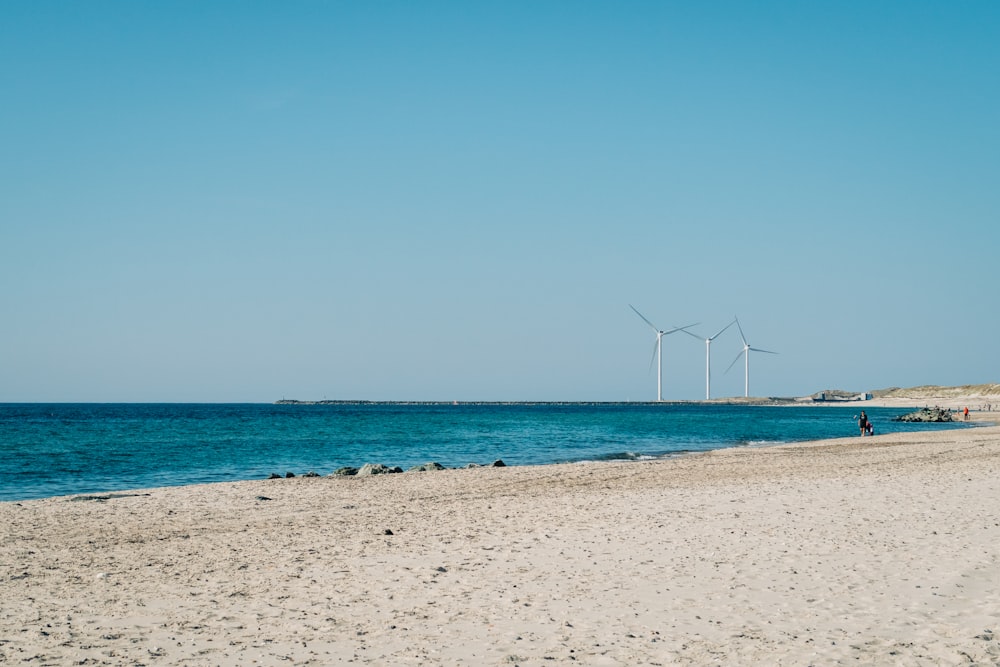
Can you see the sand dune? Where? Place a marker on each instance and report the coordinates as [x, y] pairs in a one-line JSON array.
[[977, 397], [873, 551]]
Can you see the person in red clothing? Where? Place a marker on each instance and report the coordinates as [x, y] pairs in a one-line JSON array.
[[967, 413]]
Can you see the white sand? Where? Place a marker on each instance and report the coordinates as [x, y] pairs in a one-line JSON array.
[[874, 551]]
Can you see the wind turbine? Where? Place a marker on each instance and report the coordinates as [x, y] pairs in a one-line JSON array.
[[708, 357], [659, 350], [746, 354]]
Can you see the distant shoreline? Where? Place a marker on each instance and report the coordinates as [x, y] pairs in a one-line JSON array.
[[975, 397], [751, 401], [763, 402]]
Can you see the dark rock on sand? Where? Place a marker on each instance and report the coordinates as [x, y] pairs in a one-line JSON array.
[[496, 464], [346, 471], [426, 467], [377, 469], [274, 475]]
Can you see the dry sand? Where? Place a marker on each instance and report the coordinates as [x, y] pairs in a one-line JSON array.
[[874, 551]]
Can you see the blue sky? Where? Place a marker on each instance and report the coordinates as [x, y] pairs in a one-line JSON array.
[[222, 201]]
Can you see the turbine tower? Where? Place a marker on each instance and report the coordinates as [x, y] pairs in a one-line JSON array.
[[658, 350], [746, 354], [708, 357]]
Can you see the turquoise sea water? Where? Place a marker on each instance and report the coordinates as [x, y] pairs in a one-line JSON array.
[[62, 449]]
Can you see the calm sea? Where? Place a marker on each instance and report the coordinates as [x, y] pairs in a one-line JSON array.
[[62, 449]]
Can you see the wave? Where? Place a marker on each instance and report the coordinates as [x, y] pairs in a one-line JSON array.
[[621, 456], [760, 443], [632, 456]]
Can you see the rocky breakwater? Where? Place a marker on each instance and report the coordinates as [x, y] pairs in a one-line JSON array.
[[369, 469], [380, 469], [926, 415]]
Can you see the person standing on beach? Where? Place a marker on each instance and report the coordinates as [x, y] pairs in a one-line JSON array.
[[863, 423], [966, 413]]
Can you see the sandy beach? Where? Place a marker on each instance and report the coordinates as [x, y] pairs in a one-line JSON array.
[[870, 551]]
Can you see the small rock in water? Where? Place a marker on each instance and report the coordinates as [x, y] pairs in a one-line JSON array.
[[499, 464]]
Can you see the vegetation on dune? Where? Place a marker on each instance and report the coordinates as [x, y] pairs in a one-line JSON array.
[[936, 391]]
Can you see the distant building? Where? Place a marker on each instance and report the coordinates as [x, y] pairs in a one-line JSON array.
[[836, 396]]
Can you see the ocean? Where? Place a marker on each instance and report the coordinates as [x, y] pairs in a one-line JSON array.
[[63, 449]]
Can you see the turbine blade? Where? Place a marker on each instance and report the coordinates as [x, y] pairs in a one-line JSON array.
[[745, 343], [742, 352], [757, 349], [689, 333], [722, 329], [684, 329], [653, 358], [644, 318]]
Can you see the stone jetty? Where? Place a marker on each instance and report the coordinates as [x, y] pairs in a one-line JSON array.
[[926, 415]]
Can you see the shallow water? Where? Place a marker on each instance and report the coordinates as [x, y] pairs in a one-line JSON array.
[[61, 449]]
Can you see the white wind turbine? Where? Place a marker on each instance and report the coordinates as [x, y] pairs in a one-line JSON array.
[[708, 357], [658, 351], [746, 354]]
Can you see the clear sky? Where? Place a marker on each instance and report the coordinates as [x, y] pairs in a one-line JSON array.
[[244, 201]]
